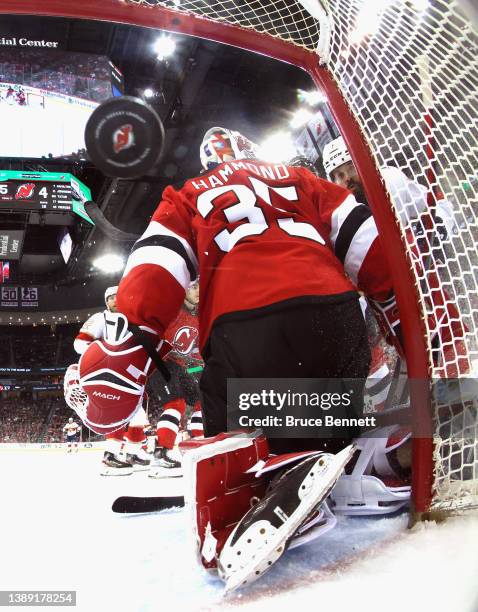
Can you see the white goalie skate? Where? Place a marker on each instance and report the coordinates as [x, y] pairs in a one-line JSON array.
[[265, 532]]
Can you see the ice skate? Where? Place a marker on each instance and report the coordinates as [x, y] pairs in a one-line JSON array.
[[264, 533], [374, 482], [114, 466], [140, 460], [167, 464]]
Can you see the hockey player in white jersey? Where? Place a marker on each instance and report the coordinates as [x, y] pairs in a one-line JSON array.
[[124, 448], [377, 480], [389, 453], [72, 433], [409, 196]]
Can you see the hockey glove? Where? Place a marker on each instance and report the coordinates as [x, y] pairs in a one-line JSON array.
[[75, 397], [113, 373]]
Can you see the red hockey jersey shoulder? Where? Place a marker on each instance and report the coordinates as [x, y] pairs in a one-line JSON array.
[[258, 234]]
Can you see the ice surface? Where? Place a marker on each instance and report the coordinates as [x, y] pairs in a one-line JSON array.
[[58, 532], [33, 131]]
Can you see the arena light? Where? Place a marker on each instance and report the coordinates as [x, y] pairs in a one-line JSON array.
[[368, 20], [164, 47], [109, 263], [277, 148], [312, 98], [300, 118]]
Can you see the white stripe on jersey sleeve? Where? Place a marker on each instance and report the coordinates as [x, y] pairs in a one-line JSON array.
[[158, 229], [162, 257], [340, 214], [359, 247]]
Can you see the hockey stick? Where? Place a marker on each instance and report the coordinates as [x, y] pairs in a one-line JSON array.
[[119, 144], [105, 226], [137, 505]]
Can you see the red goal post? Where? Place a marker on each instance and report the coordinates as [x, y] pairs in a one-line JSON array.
[[400, 77]]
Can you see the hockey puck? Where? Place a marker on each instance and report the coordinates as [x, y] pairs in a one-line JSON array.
[[124, 137]]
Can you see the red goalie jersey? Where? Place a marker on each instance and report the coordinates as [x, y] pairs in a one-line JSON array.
[[262, 236]]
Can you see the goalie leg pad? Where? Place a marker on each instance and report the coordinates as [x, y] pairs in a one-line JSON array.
[[218, 490]]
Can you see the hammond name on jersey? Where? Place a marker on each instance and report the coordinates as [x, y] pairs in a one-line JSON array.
[[225, 172]]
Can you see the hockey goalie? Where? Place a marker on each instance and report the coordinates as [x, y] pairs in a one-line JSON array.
[[282, 255]]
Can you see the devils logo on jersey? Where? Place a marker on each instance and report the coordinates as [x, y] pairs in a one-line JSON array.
[[25, 191], [185, 339], [123, 138]]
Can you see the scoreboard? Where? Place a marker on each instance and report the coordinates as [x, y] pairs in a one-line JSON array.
[[46, 191]]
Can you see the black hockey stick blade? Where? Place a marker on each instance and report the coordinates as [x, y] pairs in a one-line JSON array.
[[106, 226], [137, 505]]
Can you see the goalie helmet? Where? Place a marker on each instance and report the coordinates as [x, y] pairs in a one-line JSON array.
[[221, 145], [75, 397], [335, 154], [110, 291]]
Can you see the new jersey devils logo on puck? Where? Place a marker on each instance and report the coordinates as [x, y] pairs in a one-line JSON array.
[[123, 138], [185, 339], [25, 191]]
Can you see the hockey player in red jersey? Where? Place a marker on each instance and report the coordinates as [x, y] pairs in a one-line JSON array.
[[281, 254], [185, 365]]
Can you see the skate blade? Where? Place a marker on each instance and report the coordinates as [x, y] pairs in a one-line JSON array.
[[116, 472], [275, 543], [159, 473], [141, 468], [370, 509]]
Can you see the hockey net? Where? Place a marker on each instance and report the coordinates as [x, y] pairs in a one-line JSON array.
[[408, 73], [36, 100], [401, 78]]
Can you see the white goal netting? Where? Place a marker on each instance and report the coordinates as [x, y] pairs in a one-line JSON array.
[[408, 71]]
